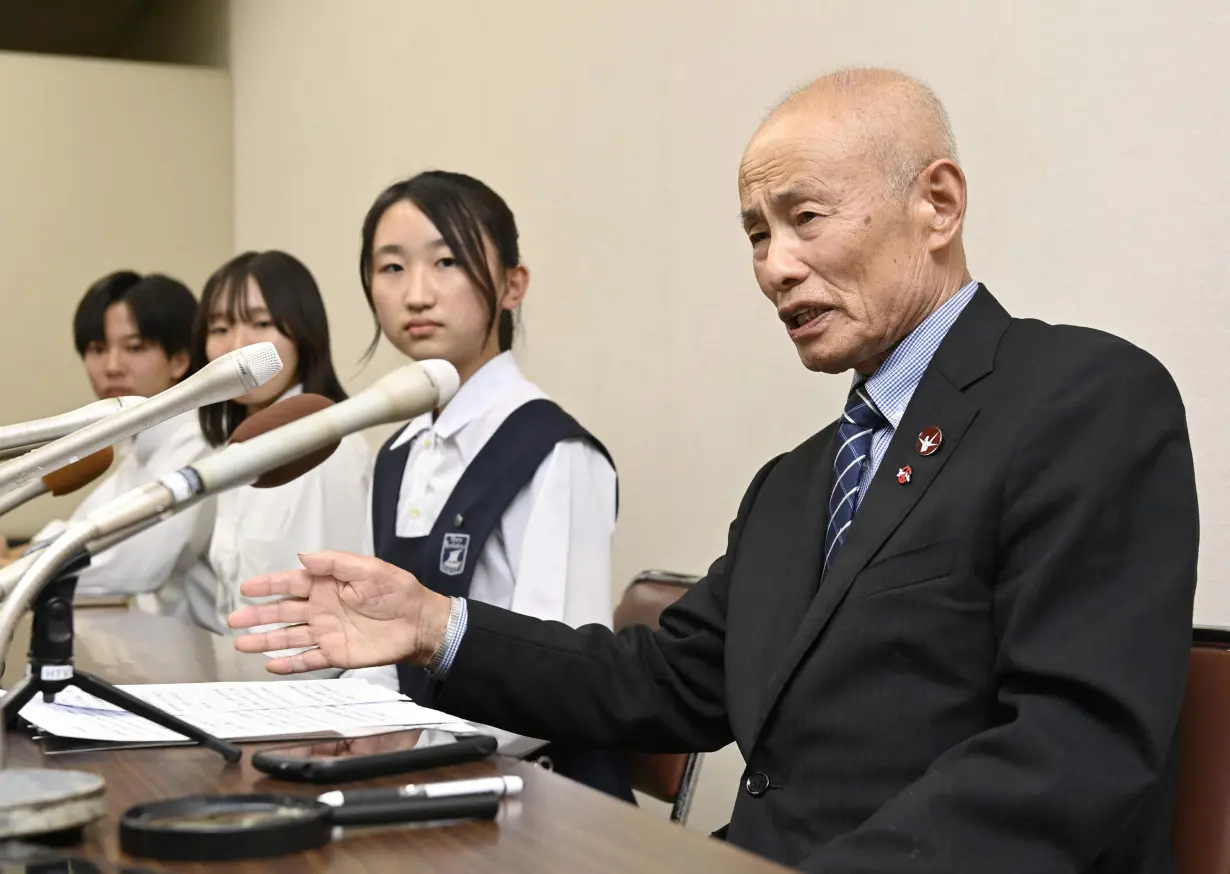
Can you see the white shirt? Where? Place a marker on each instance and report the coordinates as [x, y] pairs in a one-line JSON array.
[[156, 563], [550, 556], [261, 530]]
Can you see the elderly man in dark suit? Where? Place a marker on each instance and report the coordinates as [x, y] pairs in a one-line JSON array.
[[950, 631]]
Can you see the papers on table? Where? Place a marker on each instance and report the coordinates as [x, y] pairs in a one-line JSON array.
[[240, 711]]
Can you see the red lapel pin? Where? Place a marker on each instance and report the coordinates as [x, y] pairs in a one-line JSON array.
[[929, 440], [903, 475]]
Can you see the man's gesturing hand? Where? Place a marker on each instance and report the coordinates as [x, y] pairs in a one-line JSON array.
[[357, 611]]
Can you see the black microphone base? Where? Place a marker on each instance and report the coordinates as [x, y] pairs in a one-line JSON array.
[[52, 670]]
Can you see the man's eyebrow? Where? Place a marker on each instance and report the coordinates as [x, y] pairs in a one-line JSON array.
[[784, 196], [796, 192]]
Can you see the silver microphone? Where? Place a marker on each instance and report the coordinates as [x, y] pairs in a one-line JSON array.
[[402, 394], [229, 376], [39, 431], [11, 574], [61, 482], [406, 392]]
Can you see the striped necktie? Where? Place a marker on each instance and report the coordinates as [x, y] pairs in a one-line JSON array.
[[859, 421]]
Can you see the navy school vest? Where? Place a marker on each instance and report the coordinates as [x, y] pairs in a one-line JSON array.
[[444, 560]]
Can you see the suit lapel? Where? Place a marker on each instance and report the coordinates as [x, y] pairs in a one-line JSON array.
[[963, 357], [794, 585]]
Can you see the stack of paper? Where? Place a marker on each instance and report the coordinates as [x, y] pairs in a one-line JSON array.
[[240, 711]]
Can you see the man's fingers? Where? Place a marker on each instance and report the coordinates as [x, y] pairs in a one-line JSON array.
[[287, 610], [291, 637], [294, 583], [255, 642], [311, 660], [344, 566]]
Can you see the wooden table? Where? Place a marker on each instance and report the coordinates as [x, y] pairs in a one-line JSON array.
[[555, 826]]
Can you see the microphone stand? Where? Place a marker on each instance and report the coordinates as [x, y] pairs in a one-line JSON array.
[[52, 669]]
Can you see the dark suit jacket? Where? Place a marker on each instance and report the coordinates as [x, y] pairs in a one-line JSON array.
[[988, 679]]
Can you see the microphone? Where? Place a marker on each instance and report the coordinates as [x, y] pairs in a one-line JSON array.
[[40, 431], [233, 374], [271, 417], [6, 454], [406, 392], [80, 473], [61, 482], [282, 413], [409, 391], [277, 415]]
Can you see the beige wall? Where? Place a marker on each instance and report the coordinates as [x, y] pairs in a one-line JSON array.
[[103, 165], [1093, 134]]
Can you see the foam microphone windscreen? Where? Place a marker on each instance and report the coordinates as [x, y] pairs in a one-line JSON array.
[[80, 473], [283, 412]]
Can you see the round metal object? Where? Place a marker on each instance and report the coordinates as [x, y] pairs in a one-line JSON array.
[[37, 801]]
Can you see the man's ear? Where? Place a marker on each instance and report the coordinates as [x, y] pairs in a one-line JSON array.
[[943, 192]]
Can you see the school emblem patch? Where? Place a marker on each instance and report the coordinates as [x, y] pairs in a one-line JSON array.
[[453, 554]]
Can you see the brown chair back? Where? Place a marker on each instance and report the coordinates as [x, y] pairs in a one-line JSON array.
[[660, 776], [1201, 829]]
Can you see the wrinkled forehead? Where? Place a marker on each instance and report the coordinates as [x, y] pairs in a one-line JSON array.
[[799, 153]]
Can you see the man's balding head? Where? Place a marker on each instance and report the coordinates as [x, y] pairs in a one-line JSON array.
[[893, 118], [853, 202]]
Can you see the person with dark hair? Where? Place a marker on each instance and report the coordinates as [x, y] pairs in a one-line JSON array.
[[133, 333], [257, 297], [500, 495]]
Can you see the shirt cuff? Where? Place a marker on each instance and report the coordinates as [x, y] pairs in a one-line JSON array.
[[458, 617]]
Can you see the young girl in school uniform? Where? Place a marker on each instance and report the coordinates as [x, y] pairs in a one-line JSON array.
[[271, 296], [500, 496]]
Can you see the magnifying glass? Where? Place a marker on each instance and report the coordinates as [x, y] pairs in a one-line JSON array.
[[215, 828]]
